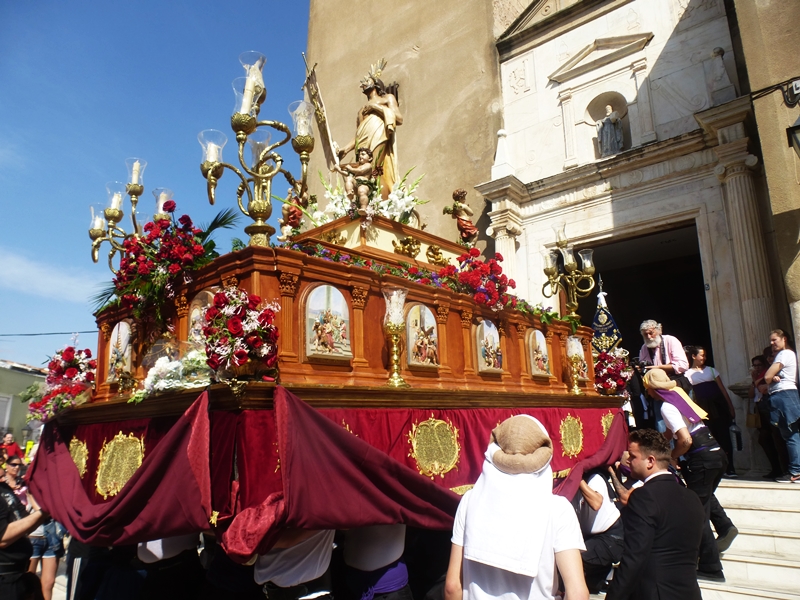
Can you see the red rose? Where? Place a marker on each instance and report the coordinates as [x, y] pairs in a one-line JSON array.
[[92, 364], [169, 206], [213, 362], [266, 317], [413, 270], [198, 250], [271, 360], [240, 357], [87, 353], [620, 383], [89, 376], [253, 301], [71, 373], [235, 327], [481, 298], [143, 269], [474, 252], [498, 257], [211, 314], [220, 300], [241, 312], [174, 269], [253, 340], [185, 221], [68, 354]]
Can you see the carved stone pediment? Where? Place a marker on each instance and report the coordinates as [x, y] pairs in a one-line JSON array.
[[600, 52]]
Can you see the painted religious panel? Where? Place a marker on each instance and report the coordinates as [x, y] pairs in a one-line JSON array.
[[119, 351], [575, 348], [422, 336], [490, 356], [537, 351], [199, 303], [327, 324]]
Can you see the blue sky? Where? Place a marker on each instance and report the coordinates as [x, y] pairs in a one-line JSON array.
[[85, 85]]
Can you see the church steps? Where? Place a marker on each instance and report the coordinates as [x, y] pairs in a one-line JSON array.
[[766, 543], [768, 573], [765, 518], [758, 494], [716, 591]]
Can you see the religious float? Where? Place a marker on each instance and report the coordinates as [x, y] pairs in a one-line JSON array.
[[349, 375]]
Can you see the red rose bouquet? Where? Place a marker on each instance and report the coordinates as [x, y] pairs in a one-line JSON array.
[[612, 373], [238, 329], [71, 365], [484, 281], [57, 398]]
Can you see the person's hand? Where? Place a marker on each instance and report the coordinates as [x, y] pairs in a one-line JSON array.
[[674, 462], [776, 379]]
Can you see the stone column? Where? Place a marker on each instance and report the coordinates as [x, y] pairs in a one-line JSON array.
[[568, 123], [749, 250], [647, 131], [505, 242], [442, 314], [359, 296], [288, 284]]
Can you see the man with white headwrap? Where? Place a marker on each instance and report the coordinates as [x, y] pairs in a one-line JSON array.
[[512, 537]]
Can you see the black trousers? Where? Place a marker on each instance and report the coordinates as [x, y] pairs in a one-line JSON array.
[[602, 551], [20, 586], [702, 472]]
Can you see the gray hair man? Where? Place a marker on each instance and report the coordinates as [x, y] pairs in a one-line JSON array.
[[662, 351]]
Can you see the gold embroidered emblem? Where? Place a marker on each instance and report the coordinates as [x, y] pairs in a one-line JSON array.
[[606, 420], [80, 455], [213, 518], [435, 447], [462, 489], [118, 461], [562, 473], [571, 436]]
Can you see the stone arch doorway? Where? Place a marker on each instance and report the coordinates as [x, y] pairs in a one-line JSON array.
[[656, 276]]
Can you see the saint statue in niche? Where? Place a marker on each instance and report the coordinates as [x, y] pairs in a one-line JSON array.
[[609, 133], [375, 127]]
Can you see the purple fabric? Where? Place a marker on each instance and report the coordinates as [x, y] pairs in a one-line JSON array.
[[365, 584], [674, 398]]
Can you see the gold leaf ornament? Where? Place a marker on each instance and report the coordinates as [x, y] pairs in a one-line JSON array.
[[434, 446], [606, 420], [571, 436], [119, 460], [80, 455]]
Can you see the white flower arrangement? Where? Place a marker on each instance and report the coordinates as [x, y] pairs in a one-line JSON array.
[[397, 207], [189, 372]]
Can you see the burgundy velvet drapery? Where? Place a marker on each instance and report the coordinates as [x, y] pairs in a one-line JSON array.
[[169, 494]]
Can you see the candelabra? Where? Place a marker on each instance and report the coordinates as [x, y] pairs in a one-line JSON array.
[[567, 278], [105, 226], [256, 179], [394, 325], [575, 364]]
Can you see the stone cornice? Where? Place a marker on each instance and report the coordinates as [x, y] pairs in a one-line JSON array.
[[725, 123], [508, 187]]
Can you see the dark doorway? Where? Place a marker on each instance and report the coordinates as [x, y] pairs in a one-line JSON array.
[[658, 276]]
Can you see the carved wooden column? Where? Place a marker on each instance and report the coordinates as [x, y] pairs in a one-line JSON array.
[[442, 313], [749, 250], [359, 296], [181, 322], [288, 337], [466, 329], [521, 330], [502, 330]]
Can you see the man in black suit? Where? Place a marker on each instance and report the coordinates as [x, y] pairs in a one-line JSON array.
[[663, 524]]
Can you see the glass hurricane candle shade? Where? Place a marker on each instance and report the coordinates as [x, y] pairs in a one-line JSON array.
[[212, 141], [161, 196], [559, 229], [302, 113], [550, 258], [395, 301], [258, 141], [115, 191], [97, 222], [569, 258], [587, 262], [136, 168]]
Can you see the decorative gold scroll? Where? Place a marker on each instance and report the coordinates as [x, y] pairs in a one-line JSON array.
[[606, 421], [118, 461], [462, 489], [562, 473], [571, 436], [80, 455], [346, 427], [435, 447]]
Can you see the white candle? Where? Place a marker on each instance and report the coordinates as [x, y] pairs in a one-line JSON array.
[[97, 223], [249, 92], [212, 153], [135, 173], [116, 201], [162, 197]]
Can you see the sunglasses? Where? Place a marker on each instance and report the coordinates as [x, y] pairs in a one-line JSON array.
[[13, 464]]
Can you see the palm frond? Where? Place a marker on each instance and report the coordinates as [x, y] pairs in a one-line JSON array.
[[104, 295], [224, 219]]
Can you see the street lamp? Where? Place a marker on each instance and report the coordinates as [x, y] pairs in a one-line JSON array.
[[256, 178], [566, 276]]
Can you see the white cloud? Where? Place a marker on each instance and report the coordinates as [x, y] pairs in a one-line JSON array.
[[27, 276]]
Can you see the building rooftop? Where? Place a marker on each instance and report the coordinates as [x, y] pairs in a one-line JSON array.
[[22, 368]]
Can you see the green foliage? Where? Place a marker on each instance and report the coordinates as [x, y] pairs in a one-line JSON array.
[[237, 244]]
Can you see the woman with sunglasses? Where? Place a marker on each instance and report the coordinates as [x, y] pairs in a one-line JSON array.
[[14, 479]]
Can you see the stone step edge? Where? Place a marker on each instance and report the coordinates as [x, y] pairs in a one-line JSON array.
[[761, 560], [790, 535], [748, 592], [752, 485], [738, 506]]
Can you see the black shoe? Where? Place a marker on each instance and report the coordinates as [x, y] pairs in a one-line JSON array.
[[724, 541], [730, 475], [716, 576], [772, 475]]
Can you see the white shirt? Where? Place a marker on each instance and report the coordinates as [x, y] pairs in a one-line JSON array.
[[788, 373], [675, 421], [608, 513], [155, 550], [302, 562], [371, 548], [482, 582], [703, 375]]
